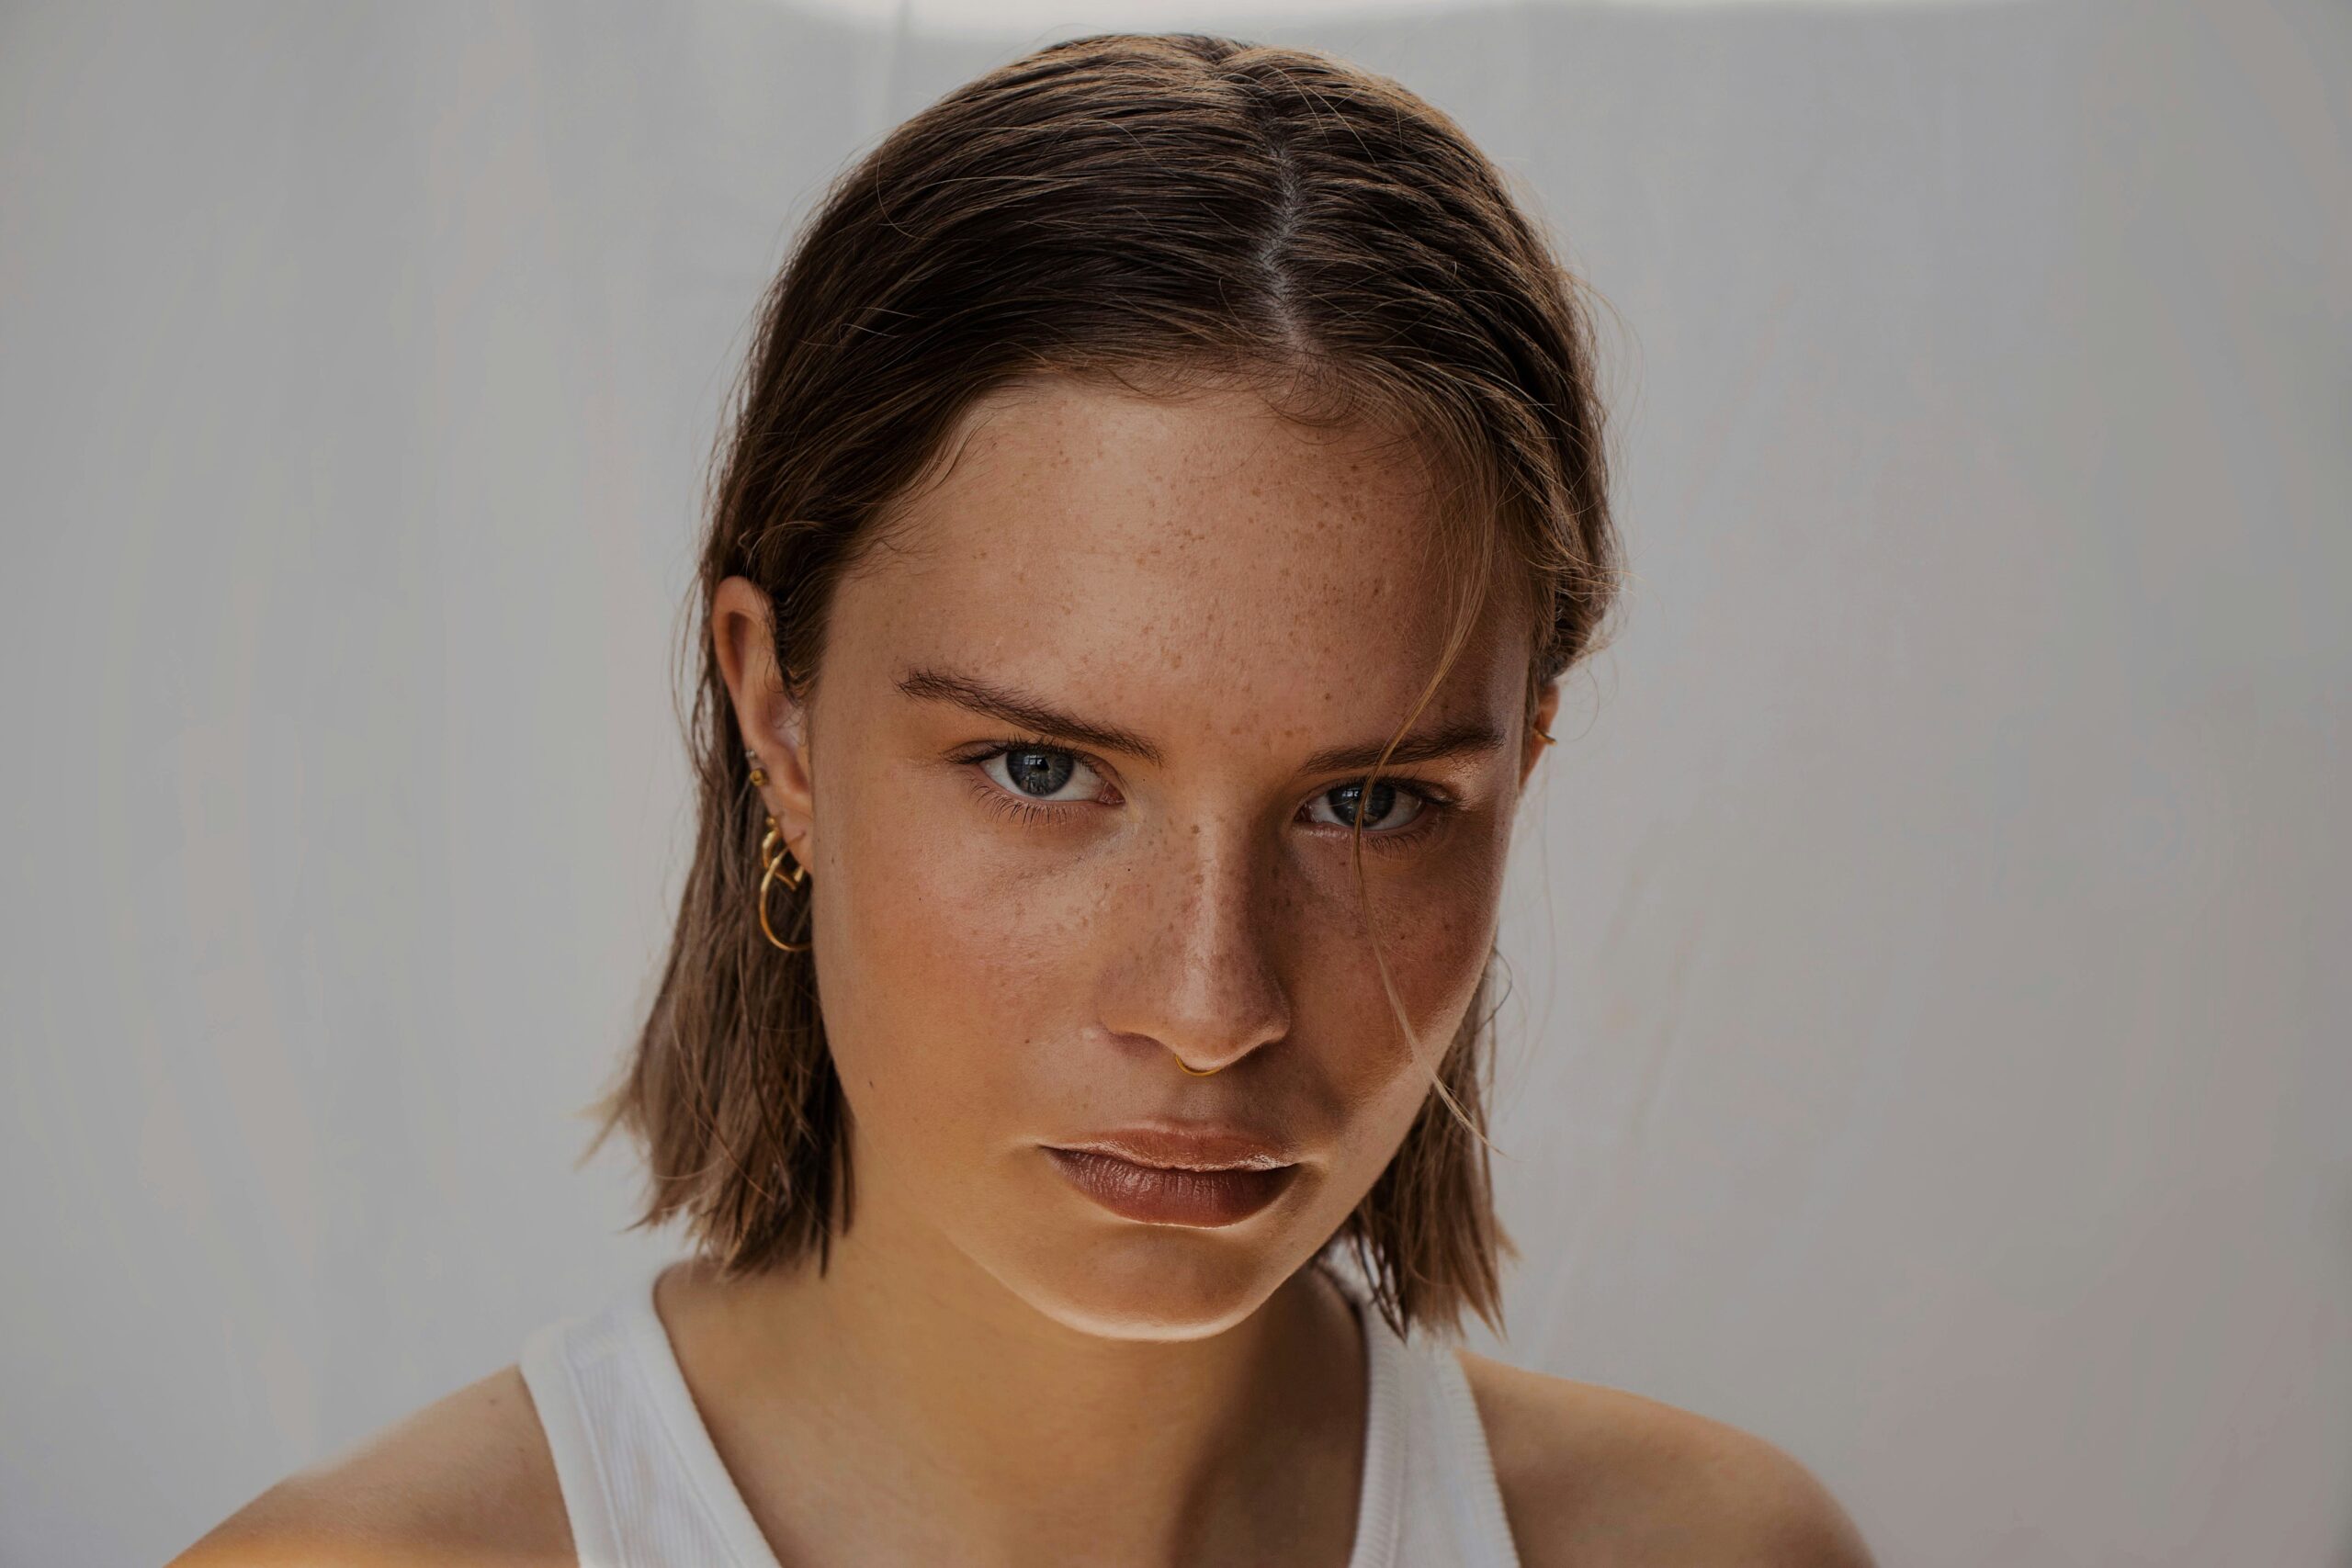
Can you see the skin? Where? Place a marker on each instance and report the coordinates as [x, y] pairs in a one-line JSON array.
[[995, 1370]]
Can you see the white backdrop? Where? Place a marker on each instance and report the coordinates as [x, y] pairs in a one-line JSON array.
[[1929, 1048]]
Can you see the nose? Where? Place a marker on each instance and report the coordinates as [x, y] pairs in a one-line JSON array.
[[1194, 969]]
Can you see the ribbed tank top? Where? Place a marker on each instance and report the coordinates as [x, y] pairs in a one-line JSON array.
[[645, 1487]]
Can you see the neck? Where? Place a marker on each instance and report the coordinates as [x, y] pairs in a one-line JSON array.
[[905, 1405]]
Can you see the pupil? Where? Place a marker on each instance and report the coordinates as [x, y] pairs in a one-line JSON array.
[[1039, 772], [1349, 802]]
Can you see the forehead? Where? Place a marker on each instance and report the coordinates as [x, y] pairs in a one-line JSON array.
[[1087, 540]]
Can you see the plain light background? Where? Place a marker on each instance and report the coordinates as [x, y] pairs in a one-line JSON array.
[[1928, 1043]]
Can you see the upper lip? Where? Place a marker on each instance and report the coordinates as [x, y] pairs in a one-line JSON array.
[[1180, 1146]]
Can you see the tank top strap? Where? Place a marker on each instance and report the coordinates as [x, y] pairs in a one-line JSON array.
[[1431, 1498], [642, 1483], [570, 1426]]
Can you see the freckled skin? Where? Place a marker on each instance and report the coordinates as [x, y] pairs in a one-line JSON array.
[[1243, 591], [990, 1368]]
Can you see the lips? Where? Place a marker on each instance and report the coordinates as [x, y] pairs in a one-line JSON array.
[[1190, 1178]]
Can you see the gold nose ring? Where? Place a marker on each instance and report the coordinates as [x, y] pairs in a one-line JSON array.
[[1197, 1073]]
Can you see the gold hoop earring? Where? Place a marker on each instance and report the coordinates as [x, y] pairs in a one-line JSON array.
[[772, 855], [1196, 1072]]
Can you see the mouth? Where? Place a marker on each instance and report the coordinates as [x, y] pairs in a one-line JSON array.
[[1160, 1178]]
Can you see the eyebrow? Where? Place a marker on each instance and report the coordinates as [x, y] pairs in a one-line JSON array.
[[1462, 738]]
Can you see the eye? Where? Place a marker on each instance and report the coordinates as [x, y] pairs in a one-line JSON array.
[[1040, 772], [1386, 807]]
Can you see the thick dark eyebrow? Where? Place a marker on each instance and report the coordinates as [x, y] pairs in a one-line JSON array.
[[1462, 738], [1016, 707]]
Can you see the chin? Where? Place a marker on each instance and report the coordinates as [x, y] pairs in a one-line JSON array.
[[1148, 1287], [1117, 1280]]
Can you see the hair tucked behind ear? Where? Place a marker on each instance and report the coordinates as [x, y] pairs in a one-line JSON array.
[[1162, 211]]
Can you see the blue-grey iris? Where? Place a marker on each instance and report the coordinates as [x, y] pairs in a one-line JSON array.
[[1349, 799], [1039, 772]]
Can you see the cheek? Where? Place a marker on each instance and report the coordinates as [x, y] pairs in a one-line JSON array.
[[1435, 928], [946, 975], [1434, 921]]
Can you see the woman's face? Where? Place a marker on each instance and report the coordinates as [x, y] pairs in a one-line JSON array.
[[1075, 785]]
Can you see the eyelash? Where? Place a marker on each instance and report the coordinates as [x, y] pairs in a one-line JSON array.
[[1436, 806]]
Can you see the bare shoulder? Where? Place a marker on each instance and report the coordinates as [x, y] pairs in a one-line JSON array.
[[1591, 1475], [468, 1480]]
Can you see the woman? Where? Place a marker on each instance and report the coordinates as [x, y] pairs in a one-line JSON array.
[[1166, 491]]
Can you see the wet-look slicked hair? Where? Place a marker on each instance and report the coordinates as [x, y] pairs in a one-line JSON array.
[[1161, 213]]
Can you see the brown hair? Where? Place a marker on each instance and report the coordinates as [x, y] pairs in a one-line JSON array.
[[1163, 209]]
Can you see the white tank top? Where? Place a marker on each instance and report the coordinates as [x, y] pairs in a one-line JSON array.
[[645, 1488]]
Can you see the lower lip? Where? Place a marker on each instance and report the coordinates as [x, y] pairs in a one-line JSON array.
[[1157, 1195]]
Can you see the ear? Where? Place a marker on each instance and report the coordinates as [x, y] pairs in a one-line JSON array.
[[1547, 706], [773, 723]]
